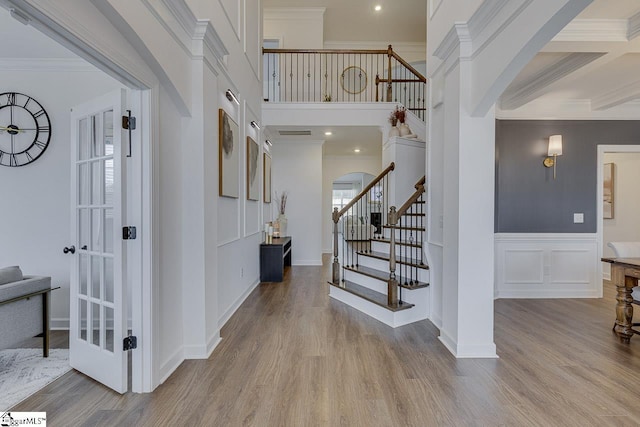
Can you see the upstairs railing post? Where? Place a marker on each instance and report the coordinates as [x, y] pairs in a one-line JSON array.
[[389, 78], [392, 284], [336, 263]]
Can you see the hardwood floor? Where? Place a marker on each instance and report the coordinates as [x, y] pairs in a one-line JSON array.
[[290, 356]]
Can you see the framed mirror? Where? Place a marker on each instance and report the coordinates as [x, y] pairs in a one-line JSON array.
[[353, 79]]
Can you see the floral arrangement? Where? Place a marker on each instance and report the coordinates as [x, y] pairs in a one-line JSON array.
[[400, 113], [393, 119], [282, 202]]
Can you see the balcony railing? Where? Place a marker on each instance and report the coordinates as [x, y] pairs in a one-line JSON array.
[[331, 75]]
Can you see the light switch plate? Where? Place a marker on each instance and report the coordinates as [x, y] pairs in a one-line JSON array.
[[578, 218]]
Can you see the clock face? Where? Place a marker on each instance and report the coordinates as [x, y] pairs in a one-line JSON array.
[[25, 129]]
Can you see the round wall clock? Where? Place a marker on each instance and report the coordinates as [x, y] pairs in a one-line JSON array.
[[25, 129]]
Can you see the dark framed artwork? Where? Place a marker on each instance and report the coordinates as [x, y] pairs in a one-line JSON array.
[[253, 181], [229, 165], [267, 178]]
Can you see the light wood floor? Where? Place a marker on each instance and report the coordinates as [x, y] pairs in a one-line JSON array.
[[290, 356]]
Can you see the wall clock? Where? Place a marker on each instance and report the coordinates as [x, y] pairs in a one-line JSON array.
[[25, 129]]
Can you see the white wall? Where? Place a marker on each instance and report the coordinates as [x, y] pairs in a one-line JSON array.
[[334, 167], [296, 28], [297, 169], [35, 199], [625, 225]]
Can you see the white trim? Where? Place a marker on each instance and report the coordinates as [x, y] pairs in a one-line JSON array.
[[602, 149], [236, 28], [594, 30], [484, 351], [547, 265], [171, 365], [213, 342], [293, 13], [231, 310], [307, 262], [67, 65], [569, 109], [59, 324]]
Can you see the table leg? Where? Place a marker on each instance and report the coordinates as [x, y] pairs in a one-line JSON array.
[[624, 308]]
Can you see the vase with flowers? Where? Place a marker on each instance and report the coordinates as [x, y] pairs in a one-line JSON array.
[[281, 200], [401, 115], [394, 131]]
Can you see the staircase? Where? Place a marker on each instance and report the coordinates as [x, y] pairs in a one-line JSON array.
[[386, 276]]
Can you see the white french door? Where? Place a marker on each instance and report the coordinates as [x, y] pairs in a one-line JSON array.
[[98, 304]]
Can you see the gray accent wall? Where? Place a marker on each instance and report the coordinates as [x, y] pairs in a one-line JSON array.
[[528, 199]]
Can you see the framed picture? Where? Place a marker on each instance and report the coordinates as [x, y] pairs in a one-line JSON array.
[[608, 190], [229, 165], [267, 178], [253, 182]]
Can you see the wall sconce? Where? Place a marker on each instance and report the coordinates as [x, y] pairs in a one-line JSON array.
[[231, 96], [255, 125], [555, 150], [268, 143]]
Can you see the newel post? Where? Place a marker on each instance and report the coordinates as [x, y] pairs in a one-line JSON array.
[[389, 77], [336, 264], [392, 284]]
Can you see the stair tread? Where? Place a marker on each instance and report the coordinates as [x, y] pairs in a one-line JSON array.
[[370, 295], [400, 260], [399, 242], [383, 276], [414, 214], [397, 227]]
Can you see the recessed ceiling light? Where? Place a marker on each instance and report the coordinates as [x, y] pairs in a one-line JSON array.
[[357, 150], [377, 8], [328, 133]]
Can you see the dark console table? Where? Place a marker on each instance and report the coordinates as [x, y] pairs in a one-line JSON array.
[[274, 258]]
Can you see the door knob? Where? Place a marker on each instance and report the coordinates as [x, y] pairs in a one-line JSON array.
[[72, 249]]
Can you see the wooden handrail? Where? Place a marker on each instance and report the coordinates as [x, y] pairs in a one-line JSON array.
[[337, 215], [355, 51], [414, 197], [415, 72]]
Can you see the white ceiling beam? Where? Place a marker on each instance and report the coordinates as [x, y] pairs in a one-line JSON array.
[[612, 98], [538, 84], [594, 30]]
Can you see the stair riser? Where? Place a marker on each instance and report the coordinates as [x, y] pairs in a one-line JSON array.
[[404, 234], [382, 265], [366, 281], [405, 251], [404, 317]]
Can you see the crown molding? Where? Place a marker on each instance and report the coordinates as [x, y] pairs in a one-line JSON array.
[[633, 27], [293, 13], [592, 30], [570, 109], [47, 64], [537, 84], [613, 98]]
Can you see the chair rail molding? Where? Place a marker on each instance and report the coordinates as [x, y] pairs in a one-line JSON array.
[[547, 265]]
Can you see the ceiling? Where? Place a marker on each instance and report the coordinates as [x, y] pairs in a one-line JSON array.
[[356, 20], [590, 69], [342, 142]]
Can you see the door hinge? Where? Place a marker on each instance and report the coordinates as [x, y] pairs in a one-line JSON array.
[[129, 233], [130, 343], [129, 123]]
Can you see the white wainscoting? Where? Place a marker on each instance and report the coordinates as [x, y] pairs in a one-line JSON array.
[[563, 265]]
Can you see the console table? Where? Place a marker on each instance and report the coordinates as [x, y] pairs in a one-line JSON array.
[[274, 258], [625, 273]]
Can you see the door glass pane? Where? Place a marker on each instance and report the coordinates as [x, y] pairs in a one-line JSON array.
[[96, 230], [108, 279], [95, 277], [96, 183], [83, 187], [84, 268], [95, 323], [108, 231], [83, 229], [82, 308], [108, 182], [96, 136], [83, 146], [109, 317]]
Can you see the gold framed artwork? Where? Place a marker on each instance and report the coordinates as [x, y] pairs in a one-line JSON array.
[[267, 177], [229, 164], [253, 182], [608, 190]]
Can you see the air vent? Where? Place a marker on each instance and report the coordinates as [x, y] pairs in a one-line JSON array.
[[294, 132]]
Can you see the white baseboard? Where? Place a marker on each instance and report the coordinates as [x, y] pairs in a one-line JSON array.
[[473, 351], [227, 314], [59, 324], [307, 262], [547, 265], [169, 367]]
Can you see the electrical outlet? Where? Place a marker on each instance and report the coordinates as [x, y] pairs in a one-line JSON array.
[[578, 218]]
